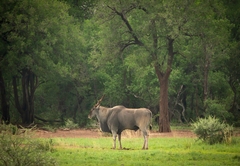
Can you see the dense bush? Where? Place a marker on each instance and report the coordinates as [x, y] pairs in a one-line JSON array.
[[69, 124], [212, 131], [19, 149]]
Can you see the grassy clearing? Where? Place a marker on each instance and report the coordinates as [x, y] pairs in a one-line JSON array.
[[163, 151]]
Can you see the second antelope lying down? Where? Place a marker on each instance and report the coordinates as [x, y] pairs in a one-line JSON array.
[[116, 119]]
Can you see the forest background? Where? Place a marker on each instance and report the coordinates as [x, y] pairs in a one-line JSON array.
[[180, 59]]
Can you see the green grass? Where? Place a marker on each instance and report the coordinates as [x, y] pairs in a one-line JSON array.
[[162, 151]]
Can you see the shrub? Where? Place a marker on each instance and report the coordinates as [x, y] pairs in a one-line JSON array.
[[50, 128], [20, 149], [69, 124], [212, 131], [9, 129]]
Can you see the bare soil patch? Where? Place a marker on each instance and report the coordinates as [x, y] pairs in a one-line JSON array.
[[84, 133]]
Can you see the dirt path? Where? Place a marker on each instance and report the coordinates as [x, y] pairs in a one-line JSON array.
[[82, 133]]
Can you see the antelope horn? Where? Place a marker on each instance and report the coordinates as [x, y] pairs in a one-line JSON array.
[[100, 100]]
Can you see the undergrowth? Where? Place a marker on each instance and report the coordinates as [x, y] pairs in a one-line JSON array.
[[19, 149]]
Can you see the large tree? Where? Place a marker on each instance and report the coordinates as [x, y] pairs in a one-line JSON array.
[[160, 29]]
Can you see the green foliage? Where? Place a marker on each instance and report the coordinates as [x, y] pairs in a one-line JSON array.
[[9, 129], [171, 19], [42, 37], [218, 109], [76, 57], [82, 119], [81, 9], [212, 131], [22, 150], [45, 145], [69, 124]]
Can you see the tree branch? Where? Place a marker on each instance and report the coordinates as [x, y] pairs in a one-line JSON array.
[[125, 45], [183, 111], [129, 27]]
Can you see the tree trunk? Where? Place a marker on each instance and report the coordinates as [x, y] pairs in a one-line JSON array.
[[4, 102], [205, 81], [78, 106], [163, 77], [16, 98], [234, 105], [164, 122], [29, 83], [196, 104]]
